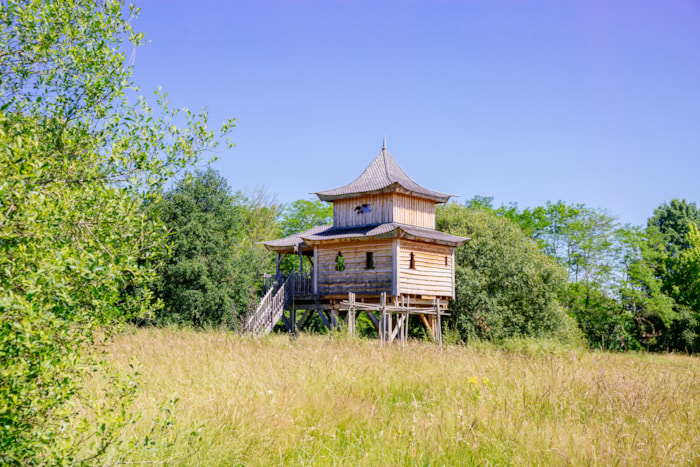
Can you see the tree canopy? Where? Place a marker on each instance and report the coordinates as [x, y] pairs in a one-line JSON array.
[[78, 248], [209, 276], [506, 287]]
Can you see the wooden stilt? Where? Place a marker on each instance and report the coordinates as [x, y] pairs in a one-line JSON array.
[[373, 318], [334, 319], [351, 314], [382, 323], [293, 320], [323, 317], [439, 323]]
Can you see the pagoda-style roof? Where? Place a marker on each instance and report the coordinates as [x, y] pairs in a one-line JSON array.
[[325, 233], [383, 175]]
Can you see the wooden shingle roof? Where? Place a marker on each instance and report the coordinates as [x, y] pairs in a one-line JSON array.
[[382, 175], [324, 233]]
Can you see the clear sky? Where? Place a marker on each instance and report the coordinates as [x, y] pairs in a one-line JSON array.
[[587, 101]]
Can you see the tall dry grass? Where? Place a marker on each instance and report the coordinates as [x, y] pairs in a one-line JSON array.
[[326, 400]]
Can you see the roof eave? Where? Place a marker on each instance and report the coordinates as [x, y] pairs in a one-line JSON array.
[[456, 243], [387, 235], [393, 188]]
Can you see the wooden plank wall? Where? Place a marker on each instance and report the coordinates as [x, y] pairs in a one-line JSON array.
[[391, 207], [431, 276], [344, 214], [414, 211], [355, 278]]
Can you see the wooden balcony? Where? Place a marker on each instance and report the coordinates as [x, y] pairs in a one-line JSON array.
[[302, 284]]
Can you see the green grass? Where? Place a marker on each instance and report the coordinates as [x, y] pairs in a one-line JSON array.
[[333, 401]]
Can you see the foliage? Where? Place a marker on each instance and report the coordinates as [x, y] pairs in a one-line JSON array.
[[506, 287], [78, 250], [214, 265], [673, 221], [196, 283], [299, 216], [303, 214]]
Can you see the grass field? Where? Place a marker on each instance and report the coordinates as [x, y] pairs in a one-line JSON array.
[[334, 401]]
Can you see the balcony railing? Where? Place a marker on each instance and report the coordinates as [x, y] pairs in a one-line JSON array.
[[303, 283]]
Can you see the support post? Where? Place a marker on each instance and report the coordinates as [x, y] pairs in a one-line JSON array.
[[301, 262], [382, 323], [315, 272], [438, 331], [351, 314], [293, 320], [334, 318], [277, 268]]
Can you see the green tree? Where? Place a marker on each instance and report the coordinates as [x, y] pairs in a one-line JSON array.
[[672, 222], [671, 238], [506, 287], [641, 293], [303, 214], [299, 216], [78, 249], [197, 281]]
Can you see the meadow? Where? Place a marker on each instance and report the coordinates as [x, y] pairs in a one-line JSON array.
[[332, 400]]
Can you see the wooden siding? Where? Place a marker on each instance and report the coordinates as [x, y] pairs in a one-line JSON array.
[[355, 278], [431, 277], [344, 214], [389, 207], [413, 211]]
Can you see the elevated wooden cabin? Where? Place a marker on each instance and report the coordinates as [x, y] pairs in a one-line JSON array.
[[382, 246]]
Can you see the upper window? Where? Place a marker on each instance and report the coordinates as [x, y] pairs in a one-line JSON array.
[[412, 263], [369, 262]]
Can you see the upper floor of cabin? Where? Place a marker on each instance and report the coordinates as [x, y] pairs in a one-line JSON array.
[[382, 194]]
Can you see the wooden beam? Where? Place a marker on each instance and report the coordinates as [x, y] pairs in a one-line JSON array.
[[286, 323], [373, 318], [383, 327], [439, 323], [395, 278], [304, 317], [324, 319], [426, 323], [315, 271], [334, 318]]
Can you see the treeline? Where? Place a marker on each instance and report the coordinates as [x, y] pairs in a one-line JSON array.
[[212, 274], [559, 270], [627, 287]]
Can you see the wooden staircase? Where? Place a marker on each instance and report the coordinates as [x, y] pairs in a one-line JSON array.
[[271, 306]]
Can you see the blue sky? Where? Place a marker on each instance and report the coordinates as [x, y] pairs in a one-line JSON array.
[[594, 102]]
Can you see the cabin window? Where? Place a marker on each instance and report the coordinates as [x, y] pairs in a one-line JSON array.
[[412, 263], [339, 262], [369, 262], [363, 209], [446, 263]]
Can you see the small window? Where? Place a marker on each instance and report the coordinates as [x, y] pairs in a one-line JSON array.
[[446, 262], [363, 209], [412, 263], [339, 262], [369, 263]]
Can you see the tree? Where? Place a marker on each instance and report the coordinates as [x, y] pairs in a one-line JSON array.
[[506, 287], [215, 266], [78, 249], [303, 214], [672, 223], [196, 283]]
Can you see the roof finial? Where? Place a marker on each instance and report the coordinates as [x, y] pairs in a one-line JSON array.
[[384, 144]]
